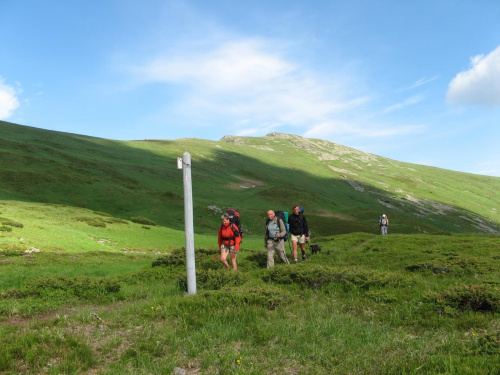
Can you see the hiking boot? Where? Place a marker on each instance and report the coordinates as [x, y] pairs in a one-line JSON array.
[[296, 261], [304, 257]]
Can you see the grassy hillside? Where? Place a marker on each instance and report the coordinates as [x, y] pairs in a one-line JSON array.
[[343, 190]]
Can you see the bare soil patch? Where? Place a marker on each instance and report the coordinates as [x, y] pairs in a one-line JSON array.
[[245, 183]]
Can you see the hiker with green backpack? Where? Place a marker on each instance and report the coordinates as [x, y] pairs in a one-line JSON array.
[[275, 238]]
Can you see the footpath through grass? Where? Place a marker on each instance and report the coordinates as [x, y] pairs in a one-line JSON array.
[[366, 304]]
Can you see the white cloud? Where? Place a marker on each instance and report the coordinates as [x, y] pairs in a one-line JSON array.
[[335, 128], [8, 100], [234, 65], [420, 82], [249, 82], [410, 101], [480, 85]]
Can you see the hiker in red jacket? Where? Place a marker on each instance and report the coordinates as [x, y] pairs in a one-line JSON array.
[[229, 241]]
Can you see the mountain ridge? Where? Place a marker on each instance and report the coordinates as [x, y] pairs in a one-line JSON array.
[[333, 182]]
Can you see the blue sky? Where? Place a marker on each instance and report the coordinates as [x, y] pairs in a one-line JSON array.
[[413, 81]]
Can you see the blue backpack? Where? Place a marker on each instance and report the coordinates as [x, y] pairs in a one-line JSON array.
[[283, 215]]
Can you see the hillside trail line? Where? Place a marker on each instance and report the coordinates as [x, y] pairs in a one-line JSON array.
[[362, 244]]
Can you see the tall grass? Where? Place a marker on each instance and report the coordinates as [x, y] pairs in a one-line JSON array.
[[364, 305]]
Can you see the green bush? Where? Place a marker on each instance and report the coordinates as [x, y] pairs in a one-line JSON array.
[[115, 220], [12, 249], [152, 275], [204, 258], [319, 276], [13, 294], [94, 222], [142, 220], [487, 343], [477, 298], [176, 258], [214, 279], [269, 296], [256, 259], [454, 264], [80, 286], [13, 223], [5, 229]]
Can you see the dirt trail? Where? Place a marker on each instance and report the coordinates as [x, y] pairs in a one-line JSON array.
[[362, 244]]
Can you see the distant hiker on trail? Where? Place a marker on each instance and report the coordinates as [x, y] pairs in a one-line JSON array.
[[299, 231], [229, 241], [383, 223], [274, 242]]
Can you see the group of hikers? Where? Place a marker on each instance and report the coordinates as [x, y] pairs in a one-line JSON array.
[[276, 233]]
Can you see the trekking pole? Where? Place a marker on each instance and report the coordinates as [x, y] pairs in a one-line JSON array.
[[290, 247], [309, 242]]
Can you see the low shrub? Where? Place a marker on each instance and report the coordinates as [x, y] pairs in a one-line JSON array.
[[256, 259], [5, 229], [319, 276], [269, 297], [142, 220], [385, 296], [176, 258], [486, 343], [477, 298], [13, 294], [455, 264], [94, 222], [80, 286], [12, 223], [204, 258], [115, 220], [12, 249], [214, 279], [158, 274]]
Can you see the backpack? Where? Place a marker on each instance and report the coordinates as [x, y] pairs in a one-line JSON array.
[[283, 215], [383, 221], [234, 218]]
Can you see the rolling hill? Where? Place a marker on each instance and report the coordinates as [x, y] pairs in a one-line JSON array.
[[342, 189]]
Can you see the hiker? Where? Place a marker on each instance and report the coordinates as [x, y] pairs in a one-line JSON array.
[[229, 241], [274, 242], [299, 231], [383, 223]]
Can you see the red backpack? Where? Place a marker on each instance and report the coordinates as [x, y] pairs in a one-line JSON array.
[[234, 218]]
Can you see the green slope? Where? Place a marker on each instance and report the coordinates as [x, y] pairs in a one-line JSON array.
[[342, 189]]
